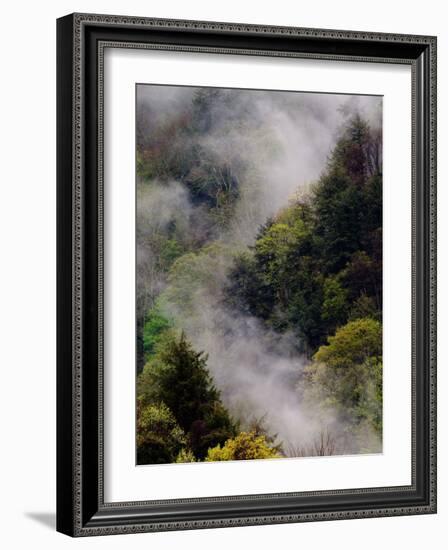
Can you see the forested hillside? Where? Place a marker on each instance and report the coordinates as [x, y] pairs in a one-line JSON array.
[[259, 275]]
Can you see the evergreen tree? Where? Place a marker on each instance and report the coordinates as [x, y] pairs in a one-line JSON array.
[[178, 377], [318, 263]]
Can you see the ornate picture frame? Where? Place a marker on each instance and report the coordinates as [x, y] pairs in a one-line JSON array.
[[81, 506]]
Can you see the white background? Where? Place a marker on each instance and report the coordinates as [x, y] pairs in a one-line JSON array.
[[125, 482], [27, 229]]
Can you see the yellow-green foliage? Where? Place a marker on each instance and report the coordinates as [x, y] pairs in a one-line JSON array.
[[245, 446], [346, 374], [334, 299], [280, 238], [185, 455], [159, 437], [352, 344], [196, 276]]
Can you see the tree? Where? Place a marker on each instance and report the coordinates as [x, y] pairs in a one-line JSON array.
[[245, 446], [339, 209], [314, 271], [318, 262], [335, 304], [177, 376], [305, 306], [156, 324], [362, 276], [352, 344], [273, 250], [364, 306], [194, 277], [348, 197], [185, 455], [346, 374], [159, 437], [279, 280], [247, 290], [358, 151]]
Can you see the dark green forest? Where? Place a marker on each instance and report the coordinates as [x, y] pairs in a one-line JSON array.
[[259, 302]]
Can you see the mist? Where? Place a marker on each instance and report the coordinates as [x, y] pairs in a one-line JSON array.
[[276, 146]]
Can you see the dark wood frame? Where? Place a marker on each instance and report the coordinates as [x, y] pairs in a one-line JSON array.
[[81, 510]]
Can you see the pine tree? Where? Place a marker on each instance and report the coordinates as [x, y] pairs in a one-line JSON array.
[[178, 377]]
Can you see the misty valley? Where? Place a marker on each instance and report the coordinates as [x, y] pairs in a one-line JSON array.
[[259, 274]]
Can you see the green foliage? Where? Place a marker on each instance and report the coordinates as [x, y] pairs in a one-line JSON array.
[[155, 325], [278, 281], [150, 381], [352, 344], [177, 376], [314, 271], [274, 250], [185, 455], [171, 250], [159, 437], [334, 306], [162, 151], [346, 374], [348, 198], [306, 303], [357, 153], [245, 446], [143, 167], [247, 290], [339, 207], [373, 192], [319, 262], [364, 306], [194, 277]]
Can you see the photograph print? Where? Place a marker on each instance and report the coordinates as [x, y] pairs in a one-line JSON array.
[[258, 274]]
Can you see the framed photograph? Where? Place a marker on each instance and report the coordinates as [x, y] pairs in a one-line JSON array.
[[246, 274]]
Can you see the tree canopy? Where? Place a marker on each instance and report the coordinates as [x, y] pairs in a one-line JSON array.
[[245, 446], [177, 377], [308, 275]]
